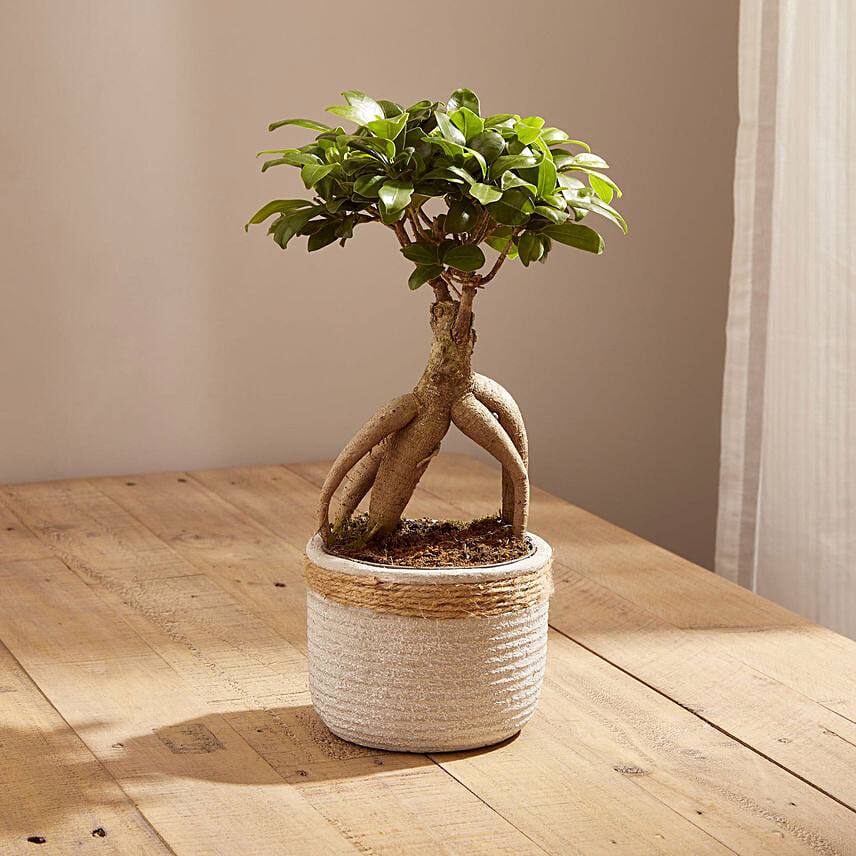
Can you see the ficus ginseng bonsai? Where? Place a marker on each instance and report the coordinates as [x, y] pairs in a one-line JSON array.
[[445, 181]]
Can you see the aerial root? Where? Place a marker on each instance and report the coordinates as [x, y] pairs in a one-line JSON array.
[[480, 425], [358, 482], [392, 417], [498, 400]]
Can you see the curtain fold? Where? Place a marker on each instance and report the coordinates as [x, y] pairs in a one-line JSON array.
[[787, 509]]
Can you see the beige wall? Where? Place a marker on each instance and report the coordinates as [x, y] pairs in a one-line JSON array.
[[141, 329]]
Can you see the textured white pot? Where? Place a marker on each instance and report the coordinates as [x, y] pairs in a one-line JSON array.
[[414, 684]]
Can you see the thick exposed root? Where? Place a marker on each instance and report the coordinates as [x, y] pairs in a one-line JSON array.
[[404, 462], [497, 399], [389, 419], [358, 482], [479, 424]]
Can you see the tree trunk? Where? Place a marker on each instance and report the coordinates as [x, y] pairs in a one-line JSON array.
[[389, 454], [446, 378]]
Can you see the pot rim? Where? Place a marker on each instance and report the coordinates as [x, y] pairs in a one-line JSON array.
[[317, 553]]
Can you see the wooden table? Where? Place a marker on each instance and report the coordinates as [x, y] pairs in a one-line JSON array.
[[153, 692]]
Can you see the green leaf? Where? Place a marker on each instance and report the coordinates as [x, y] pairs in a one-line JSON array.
[[421, 253], [472, 154], [607, 211], [506, 162], [562, 158], [462, 216], [421, 275], [467, 122], [554, 143], [598, 179], [546, 179], [485, 193], [513, 209], [550, 134], [363, 102], [389, 129], [351, 114], [395, 195], [511, 179], [499, 241], [489, 144], [601, 188], [293, 223], [390, 108], [292, 159], [360, 109], [304, 123], [530, 248], [418, 107], [450, 149], [528, 129], [589, 160], [451, 133], [463, 98], [518, 198], [382, 149], [552, 214], [501, 120], [556, 200], [507, 214], [369, 185], [313, 173], [546, 152], [389, 215], [450, 173], [570, 182], [465, 257], [277, 206], [576, 235], [323, 236]]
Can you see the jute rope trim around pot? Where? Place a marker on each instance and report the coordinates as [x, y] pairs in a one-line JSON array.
[[433, 599]]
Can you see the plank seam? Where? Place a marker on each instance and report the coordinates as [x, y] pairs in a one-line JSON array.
[[94, 580], [144, 821], [499, 814], [707, 721]]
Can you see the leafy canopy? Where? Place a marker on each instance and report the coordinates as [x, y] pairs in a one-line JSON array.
[[512, 183]]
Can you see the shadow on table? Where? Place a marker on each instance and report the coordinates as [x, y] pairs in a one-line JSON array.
[[69, 798], [290, 743]]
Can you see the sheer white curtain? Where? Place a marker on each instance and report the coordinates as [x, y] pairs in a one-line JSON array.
[[787, 510]]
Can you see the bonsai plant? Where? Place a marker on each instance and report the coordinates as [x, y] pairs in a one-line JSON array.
[[447, 182]]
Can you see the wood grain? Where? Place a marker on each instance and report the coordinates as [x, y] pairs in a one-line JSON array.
[[54, 788], [159, 626]]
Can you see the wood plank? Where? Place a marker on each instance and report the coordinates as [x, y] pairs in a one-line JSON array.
[[242, 690], [125, 706], [736, 795], [53, 786], [813, 660], [545, 811]]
